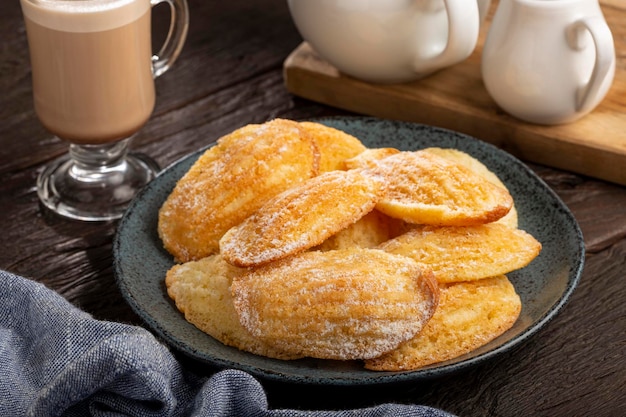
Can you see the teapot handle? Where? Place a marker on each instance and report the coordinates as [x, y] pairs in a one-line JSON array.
[[605, 58], [463, 27]]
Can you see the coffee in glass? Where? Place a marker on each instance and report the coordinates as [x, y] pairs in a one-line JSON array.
[[93, 86]]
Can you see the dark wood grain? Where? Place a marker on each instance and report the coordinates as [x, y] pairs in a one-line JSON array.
[[230, 74]]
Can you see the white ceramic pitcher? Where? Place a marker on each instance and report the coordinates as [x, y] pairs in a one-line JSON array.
[[548, 61], [389, 40]]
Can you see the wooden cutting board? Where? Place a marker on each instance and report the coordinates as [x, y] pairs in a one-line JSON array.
[[455, 98]]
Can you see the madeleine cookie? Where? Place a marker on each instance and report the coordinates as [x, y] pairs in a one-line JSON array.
[[201, 291], [424, 188], [368, 232], [301, 217], [368, 158], [469, 315], [479, 168], [334, 145], [230, 181], [466, 253], [346, 304]]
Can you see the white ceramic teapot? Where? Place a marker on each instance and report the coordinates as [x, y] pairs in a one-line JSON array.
[[548, 61], [389, 41]]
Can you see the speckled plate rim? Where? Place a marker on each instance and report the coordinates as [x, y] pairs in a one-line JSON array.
[[545, 285]]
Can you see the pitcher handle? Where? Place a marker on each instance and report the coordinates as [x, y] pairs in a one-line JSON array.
[[179, 25], [604, 65], [463, 27]]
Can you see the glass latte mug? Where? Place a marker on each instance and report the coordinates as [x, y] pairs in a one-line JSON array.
[[93, 86]]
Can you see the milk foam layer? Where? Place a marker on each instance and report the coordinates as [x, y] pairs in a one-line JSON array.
[[84, 15]]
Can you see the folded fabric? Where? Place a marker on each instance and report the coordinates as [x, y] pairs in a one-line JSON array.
[[56, 360]]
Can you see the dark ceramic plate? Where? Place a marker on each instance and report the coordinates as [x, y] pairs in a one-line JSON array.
[[544, 286]]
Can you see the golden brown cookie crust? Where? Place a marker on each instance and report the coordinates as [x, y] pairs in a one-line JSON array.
[[301, 217], [232, 179], [469, 315], [345, 304]]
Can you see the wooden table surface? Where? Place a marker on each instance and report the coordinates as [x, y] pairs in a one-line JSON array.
[[230, 73]]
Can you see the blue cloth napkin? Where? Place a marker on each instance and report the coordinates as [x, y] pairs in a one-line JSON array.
[[56, 360]]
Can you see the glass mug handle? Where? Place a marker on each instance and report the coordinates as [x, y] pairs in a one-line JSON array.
[[179, 24]]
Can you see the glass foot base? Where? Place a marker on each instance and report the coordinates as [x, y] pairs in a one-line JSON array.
[[70, 190]]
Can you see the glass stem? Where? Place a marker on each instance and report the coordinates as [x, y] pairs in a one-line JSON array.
[[92, 162]]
